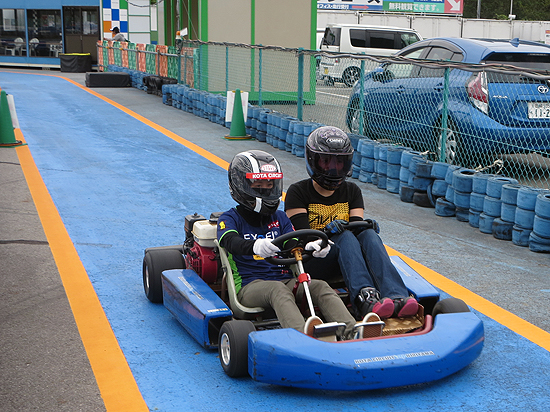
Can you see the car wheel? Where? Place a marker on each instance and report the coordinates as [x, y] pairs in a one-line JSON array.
[[453, 149], [353, 119], [450, 305], [233, 347], [154, 263], [350, 76]]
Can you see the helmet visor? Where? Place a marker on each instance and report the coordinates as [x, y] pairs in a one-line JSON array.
[[332, 165]]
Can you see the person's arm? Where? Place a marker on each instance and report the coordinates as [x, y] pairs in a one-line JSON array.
[[236, 245]]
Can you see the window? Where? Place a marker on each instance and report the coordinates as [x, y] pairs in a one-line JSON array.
[[358, 38], [382, 40], [332, 37], [12, 32], [405, 70], [44, 29], [406, 39], [439, 54]]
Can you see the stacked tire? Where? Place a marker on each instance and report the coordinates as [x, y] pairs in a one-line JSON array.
[[539, 238], [444, 206], [492, 207], [525, 215], [393, 168], [462, 187]]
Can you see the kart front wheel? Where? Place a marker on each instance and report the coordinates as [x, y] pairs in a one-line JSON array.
[[233, 347], [450, 305], [154, 263]]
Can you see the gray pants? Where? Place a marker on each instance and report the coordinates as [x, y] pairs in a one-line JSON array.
[[278, 295]]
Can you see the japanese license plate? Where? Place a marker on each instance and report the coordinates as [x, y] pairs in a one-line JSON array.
[[538, 110]]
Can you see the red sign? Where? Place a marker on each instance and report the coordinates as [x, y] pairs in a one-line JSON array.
[[454, 6]]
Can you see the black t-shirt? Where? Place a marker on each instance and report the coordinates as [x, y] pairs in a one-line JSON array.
[[323, 210]]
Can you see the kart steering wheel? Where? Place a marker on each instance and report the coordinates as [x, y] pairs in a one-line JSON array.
[[303, 236]]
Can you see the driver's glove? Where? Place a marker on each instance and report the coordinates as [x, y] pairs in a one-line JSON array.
[[374, 224], [264, 248], [335, 227], [316, 247]]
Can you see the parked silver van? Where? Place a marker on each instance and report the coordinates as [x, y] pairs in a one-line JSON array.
[[357, 39]]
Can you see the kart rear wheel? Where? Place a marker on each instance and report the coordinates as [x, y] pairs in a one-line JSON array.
[[450, 305], [154, 263], [233, 347]]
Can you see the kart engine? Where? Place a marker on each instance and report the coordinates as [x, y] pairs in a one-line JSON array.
[[199, 248]]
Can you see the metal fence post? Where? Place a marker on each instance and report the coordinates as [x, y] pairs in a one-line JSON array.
[[361, 100], [444, 114], [226, 68], [300, 101], [260, 101], [185, 68]]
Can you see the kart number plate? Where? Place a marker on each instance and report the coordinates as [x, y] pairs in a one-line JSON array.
[[538, 110]]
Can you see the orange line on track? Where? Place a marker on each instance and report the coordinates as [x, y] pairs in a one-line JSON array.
[[116, 383]]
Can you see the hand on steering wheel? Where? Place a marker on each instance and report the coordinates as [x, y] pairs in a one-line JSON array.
[[302, 236]]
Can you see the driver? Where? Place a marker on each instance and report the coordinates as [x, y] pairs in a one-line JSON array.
[[326, 201], [246, 232]]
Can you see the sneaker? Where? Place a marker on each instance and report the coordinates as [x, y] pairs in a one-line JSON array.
[[405, 307], [368, 301]]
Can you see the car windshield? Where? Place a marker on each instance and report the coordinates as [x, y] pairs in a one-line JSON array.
[[408, 39], [331, 37]]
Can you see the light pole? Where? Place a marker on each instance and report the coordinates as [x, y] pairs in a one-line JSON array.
[[478, 8]]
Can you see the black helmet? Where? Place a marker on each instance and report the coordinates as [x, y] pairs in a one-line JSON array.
[[329, 156], [251, 167]]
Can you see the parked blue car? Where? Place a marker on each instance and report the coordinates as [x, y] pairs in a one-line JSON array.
[[498, 102]]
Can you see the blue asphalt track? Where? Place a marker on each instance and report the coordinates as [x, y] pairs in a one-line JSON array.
[[121, 186]]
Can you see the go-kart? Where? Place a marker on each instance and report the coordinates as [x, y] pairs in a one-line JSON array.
[[195, 283]]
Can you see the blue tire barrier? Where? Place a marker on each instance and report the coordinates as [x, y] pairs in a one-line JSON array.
[[394, 155], [406, 157], [383, 152], [261, 136], [450, 194], [508, 212], [502, 230], [479, 183], [269, 139], [355, 170], [509, 193], [542, 205], [414, 162], [392, 185], [541, 226], [356, 160], [492, 206], [524, 218], [494, 185], [376, 151], [462, 214], [404, 174], [476, 201], [444, 208], [439, 187], [486, 223], [450, 172], [412, 176], [406, 193], [462, 199], [367, 164], [374, 179], [420, 198], [282, 145], [382, 181], [367, 149], [520, 236], [354, 138], [462, 180], [538, 244], [473, 218], [431, 196], [424, 169], [393, 170], [421, 183], [365, 177], [439, 170], [527, 197], [382, 168]]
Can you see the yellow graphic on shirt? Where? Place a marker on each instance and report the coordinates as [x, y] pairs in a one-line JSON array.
[[321, 215], [222, 225]]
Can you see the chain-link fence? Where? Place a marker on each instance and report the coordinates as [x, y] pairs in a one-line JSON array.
[[492, 117]]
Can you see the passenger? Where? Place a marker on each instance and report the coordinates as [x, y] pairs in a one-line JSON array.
[[246, 232], [327, 202]]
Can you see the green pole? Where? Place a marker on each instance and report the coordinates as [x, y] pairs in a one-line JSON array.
[[444, 115], [300, 83]]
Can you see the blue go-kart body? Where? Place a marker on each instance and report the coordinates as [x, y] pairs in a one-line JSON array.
[[445, 344]]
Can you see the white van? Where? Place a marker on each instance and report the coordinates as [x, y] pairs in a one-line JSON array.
[[357, 39]]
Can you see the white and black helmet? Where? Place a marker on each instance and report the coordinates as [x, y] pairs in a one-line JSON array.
[[249, 167], [323, 145]]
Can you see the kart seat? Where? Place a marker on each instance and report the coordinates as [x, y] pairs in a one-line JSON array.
[[239, 310]]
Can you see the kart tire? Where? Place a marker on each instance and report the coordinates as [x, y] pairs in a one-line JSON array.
[[233, 347], [542, 205], [450, 305], [462, 180], [154, 263]]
